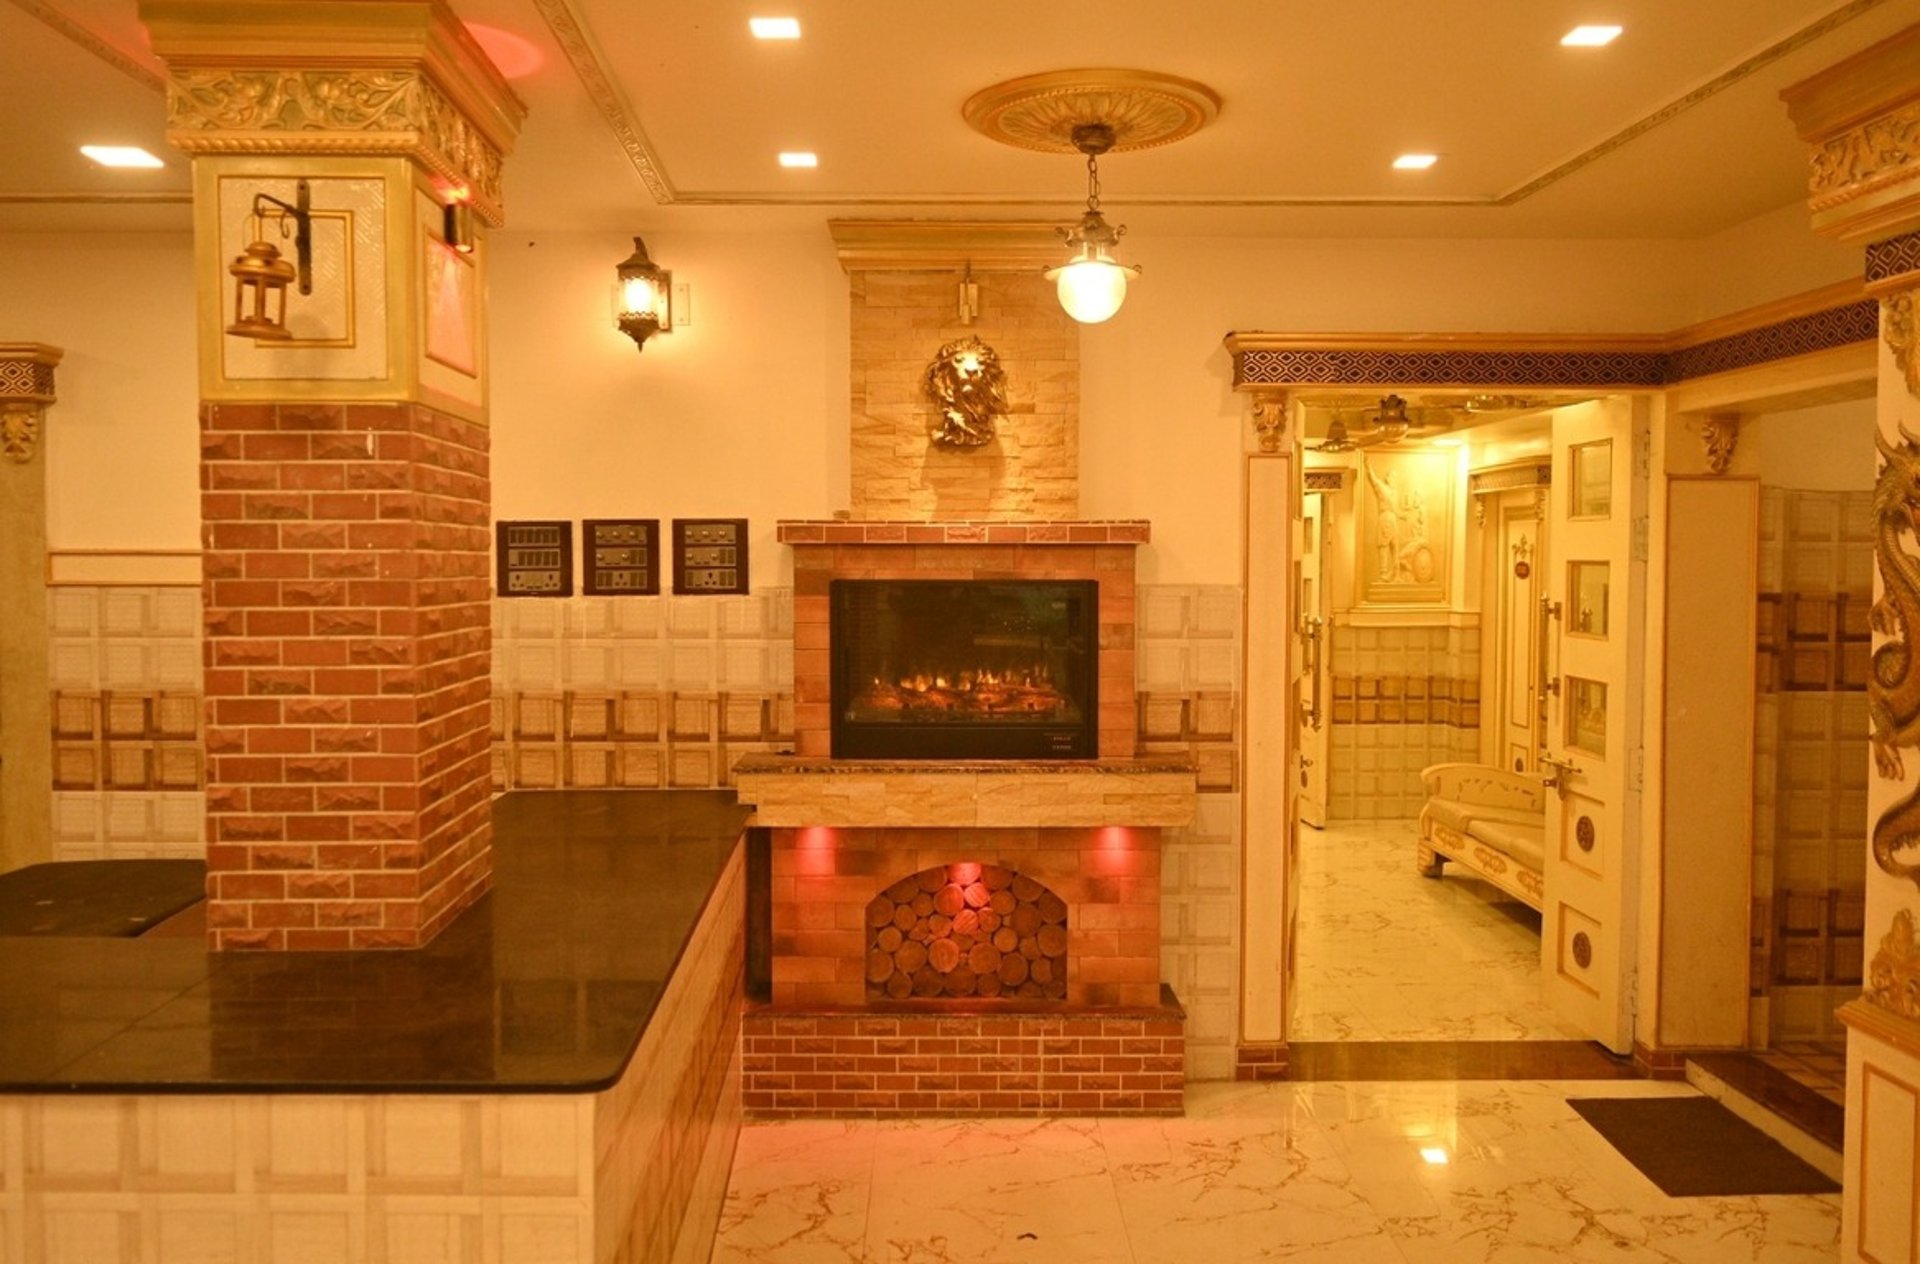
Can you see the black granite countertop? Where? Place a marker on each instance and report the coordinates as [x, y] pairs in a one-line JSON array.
[[545, 985]]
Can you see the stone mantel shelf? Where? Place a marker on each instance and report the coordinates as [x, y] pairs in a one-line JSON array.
[[795, 791], [798, 531]]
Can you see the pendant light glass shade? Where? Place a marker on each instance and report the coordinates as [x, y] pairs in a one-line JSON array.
[[1092, 286]]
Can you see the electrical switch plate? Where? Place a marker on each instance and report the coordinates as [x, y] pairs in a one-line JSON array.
[[621, 557], [533, 559], [683, 306], [709, 555]]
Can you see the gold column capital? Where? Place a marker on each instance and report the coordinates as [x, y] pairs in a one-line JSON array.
[[1861, 121], [1269, 416], [26, 388], [338, 77]]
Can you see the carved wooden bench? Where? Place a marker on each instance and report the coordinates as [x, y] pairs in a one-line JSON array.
[[1489, 822]]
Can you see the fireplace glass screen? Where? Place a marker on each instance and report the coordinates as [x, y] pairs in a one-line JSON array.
[[951, 669]]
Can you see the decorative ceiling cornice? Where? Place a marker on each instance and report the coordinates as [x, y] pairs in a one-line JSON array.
[[576, 41], [1776, 331], [94, 43]]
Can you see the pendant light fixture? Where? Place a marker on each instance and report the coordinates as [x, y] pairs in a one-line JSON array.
[[1091, 112], [1092, 284]]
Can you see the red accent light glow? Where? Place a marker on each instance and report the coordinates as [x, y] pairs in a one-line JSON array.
[[815, 847], [514, 56]]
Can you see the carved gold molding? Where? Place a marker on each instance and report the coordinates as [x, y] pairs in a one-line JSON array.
[[571, 33], [1860, 119], [344, 111], [1893, 977], [1880, 152], [26, 388], [1897, 326], [94, 43], [1039, 112]]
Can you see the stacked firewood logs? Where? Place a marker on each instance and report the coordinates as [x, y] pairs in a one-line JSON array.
[[967, 930]]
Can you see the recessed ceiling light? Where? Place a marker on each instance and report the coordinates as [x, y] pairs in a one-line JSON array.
[[799, 158], [121, 156], [1590, 36], [1415, 162], [774, 28]]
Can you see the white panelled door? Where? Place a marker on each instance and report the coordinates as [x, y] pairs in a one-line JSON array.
[[1595, 592]]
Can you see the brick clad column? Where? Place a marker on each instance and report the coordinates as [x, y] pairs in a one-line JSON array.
[[348, 635], [345, 494]]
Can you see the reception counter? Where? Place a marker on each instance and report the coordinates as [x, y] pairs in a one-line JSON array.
[[553, 1079]]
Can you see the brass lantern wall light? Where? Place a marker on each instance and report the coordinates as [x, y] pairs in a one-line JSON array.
[[261, 276], [643, 297]]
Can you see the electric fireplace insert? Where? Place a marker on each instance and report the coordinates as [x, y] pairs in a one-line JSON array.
[[965, 669]]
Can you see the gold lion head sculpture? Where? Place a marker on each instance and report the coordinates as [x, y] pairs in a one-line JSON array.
[[967, 384]]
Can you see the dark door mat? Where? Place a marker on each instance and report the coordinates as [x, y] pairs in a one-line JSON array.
[[1454, 1060], [97, 897], [1693, 1147]]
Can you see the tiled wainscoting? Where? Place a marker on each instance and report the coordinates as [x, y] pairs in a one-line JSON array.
[[645, 692], [634, 1174], [1403, 698], [1811, 760], [1189, 640], [128, 761], [638, 692]]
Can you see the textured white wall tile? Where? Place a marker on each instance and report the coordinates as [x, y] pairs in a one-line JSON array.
[[73, 611], [590, 665], [126, 665], [637, 665], [1161, 610], [746, 665], [743, 616], [690, 617], [126, 611], [73, 664], [177, 612], [693, 666]]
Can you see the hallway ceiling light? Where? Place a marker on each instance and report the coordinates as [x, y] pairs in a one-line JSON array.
[[797, 159], [1391, 422], [1590, 36], [121, 156], [774, 28], [1091, 112], [1415, 162], [1092, 283]]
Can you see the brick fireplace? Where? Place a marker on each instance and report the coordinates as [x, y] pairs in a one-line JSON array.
[[900, 885]]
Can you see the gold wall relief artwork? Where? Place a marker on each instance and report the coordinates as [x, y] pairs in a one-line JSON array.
[[1893, 977], [1893, 686], [968, 386], [1407, 505]]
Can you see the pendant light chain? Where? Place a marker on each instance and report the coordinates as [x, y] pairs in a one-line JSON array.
[[1093, 182]]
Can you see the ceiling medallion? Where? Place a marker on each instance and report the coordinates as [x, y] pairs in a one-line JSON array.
[[1040, 112]]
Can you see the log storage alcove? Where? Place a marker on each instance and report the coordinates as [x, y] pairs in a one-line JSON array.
[[957, 938]]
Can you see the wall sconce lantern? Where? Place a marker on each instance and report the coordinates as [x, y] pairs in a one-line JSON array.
[[643, 297], [261, 276], [1092, 284]]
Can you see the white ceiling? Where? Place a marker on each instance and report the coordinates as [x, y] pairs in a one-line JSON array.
[[1674, 131]]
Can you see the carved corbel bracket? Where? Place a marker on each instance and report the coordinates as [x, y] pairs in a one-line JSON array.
[[1719, 432], [1898, 328], [26, 388], [1269, 419]]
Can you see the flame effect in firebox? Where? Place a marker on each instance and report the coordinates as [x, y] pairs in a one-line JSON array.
[[968, 693]]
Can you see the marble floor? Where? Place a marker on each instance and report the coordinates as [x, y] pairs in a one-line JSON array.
[[1319, 1173], [1385, 954]]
